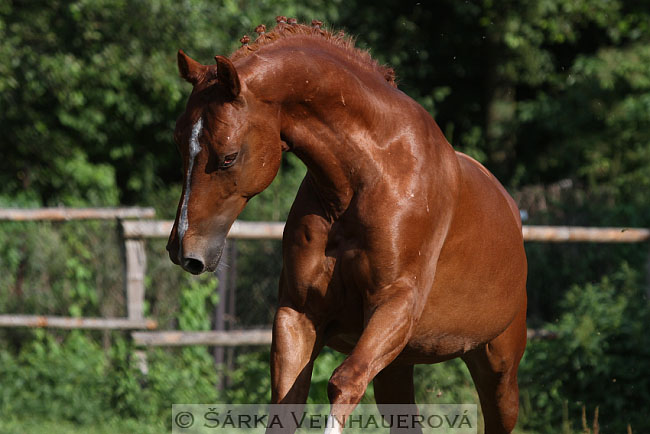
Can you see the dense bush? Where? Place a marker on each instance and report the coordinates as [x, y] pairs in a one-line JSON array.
[[599, 359], [71, 376], [61, 268]]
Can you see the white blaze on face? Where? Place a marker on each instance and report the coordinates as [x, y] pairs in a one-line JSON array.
[[195, 148], [333, 426]]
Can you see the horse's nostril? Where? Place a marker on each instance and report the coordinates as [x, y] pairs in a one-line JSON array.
[[193, 265]]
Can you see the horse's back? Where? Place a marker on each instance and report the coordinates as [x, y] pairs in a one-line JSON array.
[[470, 166]]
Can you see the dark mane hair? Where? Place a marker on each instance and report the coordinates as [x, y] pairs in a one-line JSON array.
[[283, 31]]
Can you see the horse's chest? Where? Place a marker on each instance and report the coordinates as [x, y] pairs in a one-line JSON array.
[[330, 273]]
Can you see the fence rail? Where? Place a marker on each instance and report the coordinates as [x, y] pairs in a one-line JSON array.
[[60, 213], [239, 230], [577, 234], [230, 338], [64, 322]]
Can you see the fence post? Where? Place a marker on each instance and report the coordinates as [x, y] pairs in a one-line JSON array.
[[220, 316], [231, 311], [136, 262], [224, 312], [647, 278], [135, 265]]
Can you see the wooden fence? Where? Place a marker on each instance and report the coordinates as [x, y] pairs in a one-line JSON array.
[[135, 233], [138, 231], [273, 231], [134, 286]]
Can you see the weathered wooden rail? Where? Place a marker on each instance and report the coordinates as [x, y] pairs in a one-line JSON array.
[[60, 213], [230, 338], [63, 322], [239, 230], [577, 234], [273, 230]]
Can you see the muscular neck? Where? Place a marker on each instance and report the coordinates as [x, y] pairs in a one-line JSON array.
[[343, 126]]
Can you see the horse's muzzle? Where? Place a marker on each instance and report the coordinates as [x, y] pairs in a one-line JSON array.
[[198, 257], [196, 264]]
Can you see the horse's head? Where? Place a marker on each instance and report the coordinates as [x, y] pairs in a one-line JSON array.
[[231, 149]]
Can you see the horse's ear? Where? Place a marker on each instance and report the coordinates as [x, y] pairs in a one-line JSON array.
[[190, 69], [227, 76]]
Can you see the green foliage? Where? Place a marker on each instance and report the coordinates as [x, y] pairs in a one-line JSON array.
[[273, 204], [89, 92], [447, 382], [250, 381], [49, 378], [73, 378], [78, 381], [196, 303], [61, 268], [539, 91], [324, 366], [41, 426], [599, 359]]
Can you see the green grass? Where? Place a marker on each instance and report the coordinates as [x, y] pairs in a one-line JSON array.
[[37, 426], [128, 426]]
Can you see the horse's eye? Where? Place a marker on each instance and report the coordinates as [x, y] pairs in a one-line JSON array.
[[228, 161]]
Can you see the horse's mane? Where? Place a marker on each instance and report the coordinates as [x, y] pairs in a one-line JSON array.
[[289, 28]]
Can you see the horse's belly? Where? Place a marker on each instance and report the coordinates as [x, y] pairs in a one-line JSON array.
[[477, 292], [420, 349], [443, 332], [474, 298]]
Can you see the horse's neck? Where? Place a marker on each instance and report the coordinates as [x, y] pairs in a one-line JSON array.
[[342, 125]]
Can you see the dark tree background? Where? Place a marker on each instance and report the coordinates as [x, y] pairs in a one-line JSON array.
[[539, 91]]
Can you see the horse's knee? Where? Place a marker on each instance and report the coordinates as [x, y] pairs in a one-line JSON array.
[[348, 383]]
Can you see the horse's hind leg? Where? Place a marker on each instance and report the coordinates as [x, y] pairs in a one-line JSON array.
[[494, 370], [394, 385]]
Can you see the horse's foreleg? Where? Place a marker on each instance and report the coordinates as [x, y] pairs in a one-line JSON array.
[[295, 346], [387, 331]]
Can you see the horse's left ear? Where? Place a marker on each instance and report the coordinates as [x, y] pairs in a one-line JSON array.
[[191, 70], [227, 76]]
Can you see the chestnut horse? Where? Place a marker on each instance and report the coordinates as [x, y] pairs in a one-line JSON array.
[[397, 250]]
